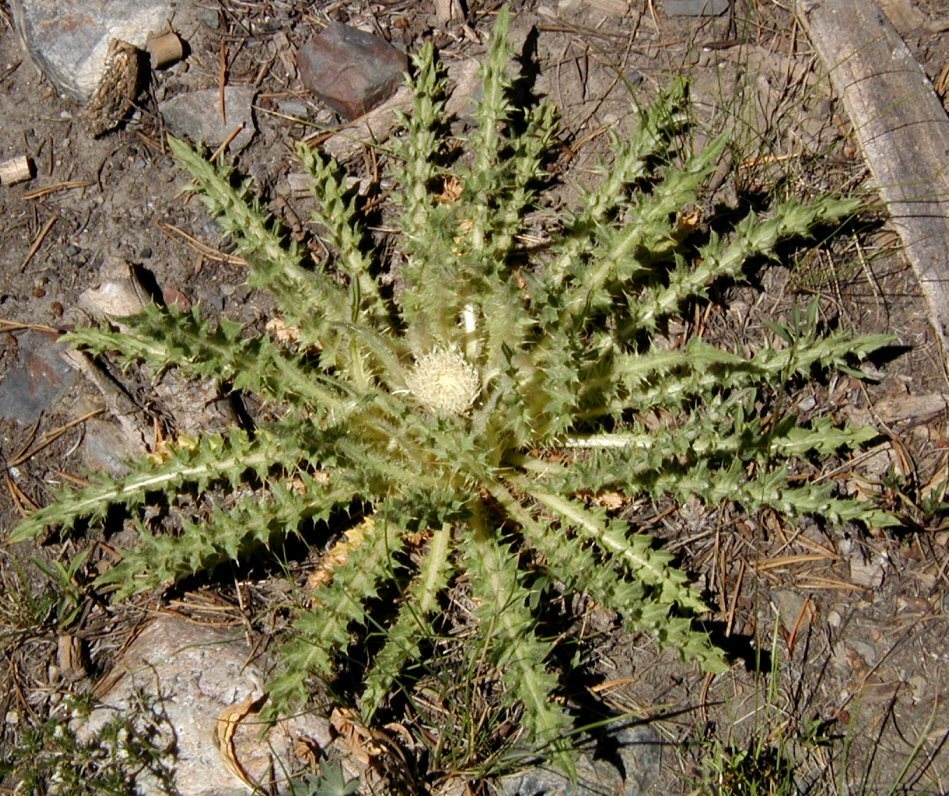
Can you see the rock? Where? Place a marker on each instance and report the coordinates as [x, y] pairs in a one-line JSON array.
[[114, 298], [911, 407], [869, 574], [189, 686], [39, 378], [106, 447], [376, 126], [69, 40], [350, 70], [694, 8], [293, 108], [632, 769], [448, 12], [196, 116], [640, 752], [613, 8], [790, 606]]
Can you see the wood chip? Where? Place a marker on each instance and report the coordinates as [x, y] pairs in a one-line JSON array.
[[16, 169]]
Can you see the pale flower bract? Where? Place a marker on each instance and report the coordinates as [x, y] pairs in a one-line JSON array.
[[444, 382]]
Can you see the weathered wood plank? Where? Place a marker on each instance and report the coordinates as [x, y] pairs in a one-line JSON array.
[[902, 130]]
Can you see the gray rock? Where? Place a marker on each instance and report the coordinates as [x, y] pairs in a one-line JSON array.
[[633, 770], [196, 116], [790, 606], [294, 108], [177, 678], [69, 39], [39, 378], [350, 70], [106, 447], [640, 752], [694, 8]]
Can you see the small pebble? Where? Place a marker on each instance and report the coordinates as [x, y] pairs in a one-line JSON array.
[[293, 108]]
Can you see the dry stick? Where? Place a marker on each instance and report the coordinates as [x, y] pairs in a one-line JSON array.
[[766, 564], [29, 440], [49, 438], [816, 582], [17, 326], [203, 249], [59, 186], [38, 242], [226, 142], [222, 80], [23, 502], [806, 610], [902, 129], [730, 619]]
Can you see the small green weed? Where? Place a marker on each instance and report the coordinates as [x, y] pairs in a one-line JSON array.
[[49, 757], [472, 399], [331, 781]]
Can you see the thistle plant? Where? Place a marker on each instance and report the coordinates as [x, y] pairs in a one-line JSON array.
[[474, 398]]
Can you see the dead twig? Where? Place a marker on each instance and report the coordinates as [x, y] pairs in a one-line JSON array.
[[38, 241], [203, 249], [59, 186], [26, 452], [19, 326]]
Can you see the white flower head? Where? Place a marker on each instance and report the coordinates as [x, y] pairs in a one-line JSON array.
[[444, 382]]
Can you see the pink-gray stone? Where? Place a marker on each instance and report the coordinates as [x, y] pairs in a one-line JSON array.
[[350, 70], [69, 39]]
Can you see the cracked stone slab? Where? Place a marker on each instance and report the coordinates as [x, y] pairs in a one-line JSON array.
[[631, 769]]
